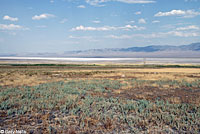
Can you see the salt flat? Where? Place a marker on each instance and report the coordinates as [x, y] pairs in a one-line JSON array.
[[15, 60]]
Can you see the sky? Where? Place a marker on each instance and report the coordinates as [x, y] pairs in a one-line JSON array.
[[57, 26]]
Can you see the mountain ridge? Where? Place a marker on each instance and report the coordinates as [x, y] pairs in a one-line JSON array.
[[191, 50], [150, 48]]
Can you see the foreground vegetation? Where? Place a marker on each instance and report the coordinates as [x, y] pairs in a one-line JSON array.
[[71, 100]]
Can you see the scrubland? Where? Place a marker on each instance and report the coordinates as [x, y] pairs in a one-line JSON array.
[[100, 98]]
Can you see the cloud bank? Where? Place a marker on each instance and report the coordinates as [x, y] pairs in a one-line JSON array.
[[98, 2], [191, 27], [12, 27], [107, 28], [184, 14]]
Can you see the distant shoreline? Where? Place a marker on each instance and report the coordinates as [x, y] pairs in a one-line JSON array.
[[30, 60]]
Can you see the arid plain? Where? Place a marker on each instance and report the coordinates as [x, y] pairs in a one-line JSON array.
[[97, 98]]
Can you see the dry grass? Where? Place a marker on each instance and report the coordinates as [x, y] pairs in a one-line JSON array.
[[114, 88]]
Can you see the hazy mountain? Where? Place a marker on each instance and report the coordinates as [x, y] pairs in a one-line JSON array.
[[152, 48], [192, 47], [191, 50]]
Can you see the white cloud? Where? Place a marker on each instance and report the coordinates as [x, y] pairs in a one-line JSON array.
[[64, 20], [142, 21], [183, 34], [81, 6], [96, 21], [82, 28], [107, 28], [10, 18], [156, 21], [137, 13], [191, 27], [43, 16], [156, 35], [129, 27], [152, 35], [184, 14], [99, 2], [51, 1], [96, 2], [12, 27], [119, 37]]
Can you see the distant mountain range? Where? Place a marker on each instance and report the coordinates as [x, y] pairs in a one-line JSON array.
[[152, 48], [191, 50], [154, 51]]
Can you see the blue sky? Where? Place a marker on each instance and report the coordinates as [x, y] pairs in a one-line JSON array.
[[32, 26]]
